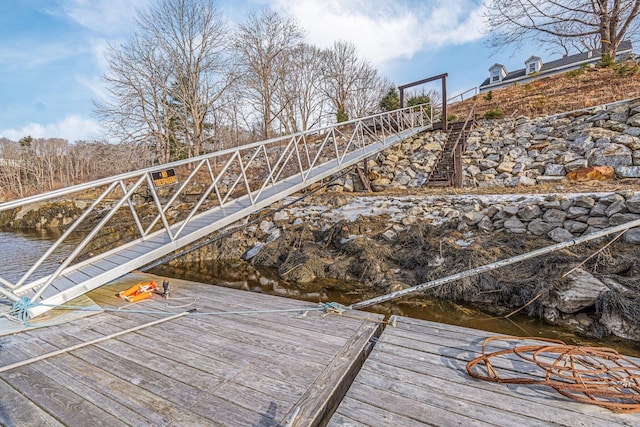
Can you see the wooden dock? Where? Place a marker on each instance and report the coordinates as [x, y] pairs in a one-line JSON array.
[[257, 365], [416, 376], [252, 369]]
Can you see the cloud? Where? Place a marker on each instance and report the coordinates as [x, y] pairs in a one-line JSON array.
[[72, 128], [26, 55], [104, 16], [384, 30]]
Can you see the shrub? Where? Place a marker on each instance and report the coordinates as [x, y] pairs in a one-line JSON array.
[[489, 96], [494, 113]]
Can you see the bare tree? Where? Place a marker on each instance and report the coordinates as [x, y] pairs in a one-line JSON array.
[[140, 108], [346, 77], [264, 45], [165, 82], [191, 35], [300, 92], [606, 21]]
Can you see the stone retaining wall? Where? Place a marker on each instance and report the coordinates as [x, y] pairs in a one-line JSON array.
[[559, 217], [523, 151]]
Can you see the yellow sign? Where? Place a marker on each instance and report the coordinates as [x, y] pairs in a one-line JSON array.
[[165, 177]]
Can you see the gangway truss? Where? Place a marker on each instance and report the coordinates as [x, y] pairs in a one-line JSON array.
[[213, 191]]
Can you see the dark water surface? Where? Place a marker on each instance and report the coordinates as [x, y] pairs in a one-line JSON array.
[[18, 251]]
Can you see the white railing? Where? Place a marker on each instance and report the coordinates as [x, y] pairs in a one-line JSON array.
[[215, 180], [460, 97]]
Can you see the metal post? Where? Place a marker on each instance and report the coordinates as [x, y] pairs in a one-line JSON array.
[[444, 102]]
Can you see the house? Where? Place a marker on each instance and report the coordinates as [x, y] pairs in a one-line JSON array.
[[534, 68]]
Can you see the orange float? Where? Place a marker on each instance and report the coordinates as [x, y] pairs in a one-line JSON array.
[[138, 292]]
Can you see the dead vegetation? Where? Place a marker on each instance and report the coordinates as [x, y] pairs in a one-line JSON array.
[[573, 90]]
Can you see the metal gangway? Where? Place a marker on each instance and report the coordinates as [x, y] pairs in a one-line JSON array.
[[173, 205]]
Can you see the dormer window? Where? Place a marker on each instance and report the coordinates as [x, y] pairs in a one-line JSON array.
[[497, 73], [533, 64]]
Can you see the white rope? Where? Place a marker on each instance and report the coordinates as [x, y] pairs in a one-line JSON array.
[[84, 344]]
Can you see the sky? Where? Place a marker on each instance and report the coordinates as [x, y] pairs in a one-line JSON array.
[[52, 51]]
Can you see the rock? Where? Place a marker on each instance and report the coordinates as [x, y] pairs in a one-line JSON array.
[[576, 211], [544, 179], [575, 165], [619, 218], [552, 169], [583, 201], [472, 218], [596, 173], [615, 207], [266, 226], [526, 181], [575, 227], [514, 225], [539, 228], [560, 235], [555, 217], [634, 120], [599, 209], [611, 155], [581, 291], [628, 171], [598, 221], [253, 251], [633, 203], [599, 133], [618, 326], [348, 185], [632, 236], [281, 216], [505, 167], [511, 209], [485, 224], [529, 212], [627, 140], [390, 235]]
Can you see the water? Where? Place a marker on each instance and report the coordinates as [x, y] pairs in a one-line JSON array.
[[20, 250]]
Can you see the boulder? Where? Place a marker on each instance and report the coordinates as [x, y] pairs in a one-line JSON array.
[[472, 218], [538, 227], [595, 173], [634, 120], [620, 218], [619, 326], [575, 227], [576, 164], [633, 142], [633, 203], [529, 212], [514, 225], [583, 201], [552, 169], [628, 171], [560, 235], [505, 167], [555, 217], [632, 236], [581, 290], [611, 155]]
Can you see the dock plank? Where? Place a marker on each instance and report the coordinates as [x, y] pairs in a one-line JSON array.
[[250, 369], [424, 363]]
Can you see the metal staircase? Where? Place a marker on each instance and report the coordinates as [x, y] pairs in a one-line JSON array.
[[173, 205], [447, 170]]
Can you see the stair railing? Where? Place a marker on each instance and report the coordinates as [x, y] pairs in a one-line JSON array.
[[456, 150]]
